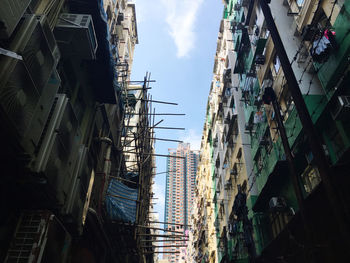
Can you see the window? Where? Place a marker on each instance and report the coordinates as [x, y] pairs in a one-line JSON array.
[[310, 178], [289, 103], [259, 161], [276, 64]]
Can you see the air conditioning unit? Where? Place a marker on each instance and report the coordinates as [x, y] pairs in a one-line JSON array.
[[278, 204], [260, 59], [341, 108], [50, 132], [28, 86], [50, 38], [36, 233], [45, 103], [75, 35], [75, 205], [59, 148], [11, 12]]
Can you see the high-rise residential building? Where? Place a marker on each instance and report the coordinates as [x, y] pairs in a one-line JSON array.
[[65, 71], [275, 136], [180, 183]]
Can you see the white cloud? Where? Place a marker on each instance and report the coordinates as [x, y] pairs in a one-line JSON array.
[[181, 17], [191, 136]]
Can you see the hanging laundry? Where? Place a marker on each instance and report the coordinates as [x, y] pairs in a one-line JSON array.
[[249, 84], [330, 35], [320, 49], [258, 117]]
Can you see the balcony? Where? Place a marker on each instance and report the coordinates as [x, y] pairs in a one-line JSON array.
[[258, 45], [242, 47], [331, 72], [272, 187]]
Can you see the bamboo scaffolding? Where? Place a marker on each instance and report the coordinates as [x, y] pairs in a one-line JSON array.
[[159, 235], [122, 179], [170, 128], [157, 228], [166, 240], [163, 246], [165, 252], [176, 224], [156, 154], [159, 101], [165, 114], [167, 140]]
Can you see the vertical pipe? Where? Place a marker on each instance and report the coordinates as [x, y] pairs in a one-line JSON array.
[[106, 170], [321, 161], [292, 171]]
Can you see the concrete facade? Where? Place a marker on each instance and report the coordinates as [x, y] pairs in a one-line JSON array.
[[252, 195], [179, 195]]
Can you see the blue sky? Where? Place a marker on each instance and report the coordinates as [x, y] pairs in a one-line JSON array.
[[177, 44]]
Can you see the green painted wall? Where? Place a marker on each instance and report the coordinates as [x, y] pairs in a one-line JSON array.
[[331, 71]]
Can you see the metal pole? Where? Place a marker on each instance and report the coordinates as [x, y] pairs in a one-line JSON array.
[[155, 154], [164, 246], [166, 223], [166, 114], [164, 252], [167, 140], [292, 170], [122, 197], [158, 101], [165, 240], [169, 128], [157, 228], [122, 179], [338, 209], [154, 235]]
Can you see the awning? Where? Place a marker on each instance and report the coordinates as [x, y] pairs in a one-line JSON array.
[[121, 202]]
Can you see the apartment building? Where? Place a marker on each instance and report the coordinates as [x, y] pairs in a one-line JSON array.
[[64, 68], [179, 194], [281, 186]]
